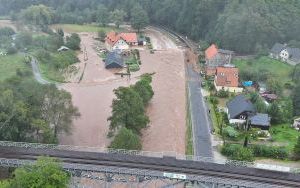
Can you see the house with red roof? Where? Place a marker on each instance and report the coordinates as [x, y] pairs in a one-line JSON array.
[[227, 78], [215, 57], [120, 41]]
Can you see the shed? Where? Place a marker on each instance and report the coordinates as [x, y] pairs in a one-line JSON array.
[[63, 48], [261, 121], [114, 60]]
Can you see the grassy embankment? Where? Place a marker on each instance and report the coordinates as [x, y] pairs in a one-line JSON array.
[[10, 64], [189, 147], [277, 68]]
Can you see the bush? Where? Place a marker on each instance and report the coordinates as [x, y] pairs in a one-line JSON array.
[[6, 31], [11, 50], [126, 139], [223, 94], [73, 42], [237, 152], [269, 151], [134, 67], [230, 132]]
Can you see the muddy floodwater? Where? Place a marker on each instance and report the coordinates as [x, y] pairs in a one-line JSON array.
[[94, 94]]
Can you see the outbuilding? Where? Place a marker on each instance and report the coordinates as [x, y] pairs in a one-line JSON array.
[[261, 121], [114, 60]]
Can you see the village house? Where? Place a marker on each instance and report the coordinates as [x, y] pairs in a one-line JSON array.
[[227, 78], [239, 109], [284, 53], [215, 57], [121, 41]]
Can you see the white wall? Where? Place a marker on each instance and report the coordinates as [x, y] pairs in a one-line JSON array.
[[237, 121], [121, 45], [284, 54], [230, 89]]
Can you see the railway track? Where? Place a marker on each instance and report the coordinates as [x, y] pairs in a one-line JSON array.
[[165, 164]]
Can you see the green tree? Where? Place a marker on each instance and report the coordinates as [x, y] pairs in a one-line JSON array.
[[46, 172], [297, 148], [102, 15], [58, 109], [144, 88], [128, 110], [39, 15], [139, 18], [296, 99], [101, 35], [73, 42], [6, 31], [23, 40], [60, 32], [126, 139], [275, 113], [117, 17]]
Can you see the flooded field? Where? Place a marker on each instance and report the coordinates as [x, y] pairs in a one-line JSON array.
[[94, 94]]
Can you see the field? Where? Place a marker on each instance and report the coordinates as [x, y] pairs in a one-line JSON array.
[[75, 28], [285, 134], [279, 69], [9, 64]]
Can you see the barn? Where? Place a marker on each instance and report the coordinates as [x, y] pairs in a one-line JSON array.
[[114, 60]]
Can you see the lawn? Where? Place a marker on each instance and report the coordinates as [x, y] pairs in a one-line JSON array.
[[9, 65], [50, 73], [285, 134], [278, 68], [75, 28]]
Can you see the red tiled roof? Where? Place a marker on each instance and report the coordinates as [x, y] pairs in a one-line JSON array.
[[211, 52], [129, 37], [113, 37], [227, 77]]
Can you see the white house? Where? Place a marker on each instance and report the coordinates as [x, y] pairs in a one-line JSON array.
[[284, 53], [122, 41]]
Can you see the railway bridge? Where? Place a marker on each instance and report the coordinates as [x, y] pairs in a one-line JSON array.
[[139, 168]]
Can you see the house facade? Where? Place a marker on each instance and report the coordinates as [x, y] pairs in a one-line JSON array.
[[227, 78], [121, 41], [284, 53]]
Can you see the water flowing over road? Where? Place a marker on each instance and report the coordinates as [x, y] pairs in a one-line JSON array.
[[36, 72]]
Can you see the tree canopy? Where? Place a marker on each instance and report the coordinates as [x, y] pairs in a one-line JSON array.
[[245, 26], [32, 112], [46, 172]]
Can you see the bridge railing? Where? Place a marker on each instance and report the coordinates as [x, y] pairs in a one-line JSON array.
[[148, 154]]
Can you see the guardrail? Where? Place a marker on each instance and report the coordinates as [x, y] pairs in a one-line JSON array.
[[149, 154]]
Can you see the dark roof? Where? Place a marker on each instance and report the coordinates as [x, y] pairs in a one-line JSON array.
[[239, 105], [294, 53], [260, 119], [277, 48], [114, 60]]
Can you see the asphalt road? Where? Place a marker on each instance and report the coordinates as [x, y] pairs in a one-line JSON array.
[[199, 115]]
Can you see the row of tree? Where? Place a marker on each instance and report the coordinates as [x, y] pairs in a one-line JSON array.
[[245, 26], [32, 112], [128, 113]]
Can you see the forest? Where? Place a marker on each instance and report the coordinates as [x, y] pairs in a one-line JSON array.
[[245, 26]]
